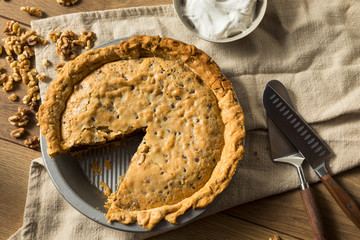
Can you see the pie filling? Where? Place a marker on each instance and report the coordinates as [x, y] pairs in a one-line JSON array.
[[174, 92], [183, 131]]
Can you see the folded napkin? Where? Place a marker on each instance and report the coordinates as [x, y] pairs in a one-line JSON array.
[[310, 46]]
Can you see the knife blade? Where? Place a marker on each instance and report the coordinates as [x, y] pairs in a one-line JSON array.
[[299, 133], [279, 145], [281, 150]]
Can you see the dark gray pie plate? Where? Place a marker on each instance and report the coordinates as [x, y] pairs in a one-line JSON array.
[[74, 177]]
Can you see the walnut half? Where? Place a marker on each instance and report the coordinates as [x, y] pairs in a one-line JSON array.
[[33, 143], [59, 67], [21, 118], [87, 39], [12, 27], [65, 45], [32, 11], [67, 2], [12, 97], [17, 132]]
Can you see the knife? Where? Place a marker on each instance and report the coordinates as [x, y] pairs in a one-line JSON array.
[[281, 150], [309, 144]]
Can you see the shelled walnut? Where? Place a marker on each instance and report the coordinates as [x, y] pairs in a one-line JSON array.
[[28, 52], [13, 97], [59, 67], [65, 45], [55, 35], [33, 106], [16, 77], [276, 237], [9, 59], [17, 132], [33, 93], [41, 77], [67, 41], [20, 43], [13, 44], [87, 38], [21, 118], [45, 62], [67, 2], [31, 38], [34, 11], [33, 143], [7, 82], [12, 27]]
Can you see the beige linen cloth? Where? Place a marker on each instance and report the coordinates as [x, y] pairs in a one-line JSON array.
[[313, 47]]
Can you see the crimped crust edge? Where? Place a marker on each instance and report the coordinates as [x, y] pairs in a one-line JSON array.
[[206, 68]]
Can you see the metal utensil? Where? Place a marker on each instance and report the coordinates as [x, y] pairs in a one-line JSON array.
[[309, 145], [282, 150]]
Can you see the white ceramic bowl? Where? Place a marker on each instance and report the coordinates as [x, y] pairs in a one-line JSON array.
[[259, 14]]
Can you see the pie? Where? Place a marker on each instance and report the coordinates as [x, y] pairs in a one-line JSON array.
[[175, 93]]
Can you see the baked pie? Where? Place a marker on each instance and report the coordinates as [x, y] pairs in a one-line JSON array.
[[175, 93]]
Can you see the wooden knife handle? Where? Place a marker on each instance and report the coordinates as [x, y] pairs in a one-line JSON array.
[[343, 199], [313, 214]]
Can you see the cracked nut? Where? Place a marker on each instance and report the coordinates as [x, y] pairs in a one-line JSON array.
[[33, 106], [3, 78], [31, 38], [67, 41], [17, 132], [59, 67], [24, 75], [16, 77], [45, 62], [55, 35], [7, 82], [13, 97], [9, 59], [13, 44], [21, 118], [33, 143], [28, 52], [33, 11], [87, 38], [41, 77], [12, 27], [65, 45], [67, 2]]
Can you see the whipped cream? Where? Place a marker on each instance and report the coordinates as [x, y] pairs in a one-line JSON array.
[[218, 19]]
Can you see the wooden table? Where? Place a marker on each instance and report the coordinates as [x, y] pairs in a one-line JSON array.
[[282, 214]]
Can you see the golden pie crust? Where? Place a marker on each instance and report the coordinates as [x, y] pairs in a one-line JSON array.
[[194, 127]]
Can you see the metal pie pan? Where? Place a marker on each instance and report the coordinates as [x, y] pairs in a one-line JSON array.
[[75, 179]]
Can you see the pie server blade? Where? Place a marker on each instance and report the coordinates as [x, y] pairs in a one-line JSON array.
[[282, 150], [309, 144]]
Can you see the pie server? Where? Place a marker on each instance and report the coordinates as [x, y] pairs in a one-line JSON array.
[[307, 142], [282, 150]]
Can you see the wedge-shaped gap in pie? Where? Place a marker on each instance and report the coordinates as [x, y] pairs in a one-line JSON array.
[[109, 163], [177, 111], [177, 95]]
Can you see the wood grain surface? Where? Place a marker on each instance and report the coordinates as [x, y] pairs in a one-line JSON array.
[[282, 214]]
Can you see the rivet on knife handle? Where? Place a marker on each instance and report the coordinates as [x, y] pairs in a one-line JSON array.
[[343, 199], [308, 143]]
